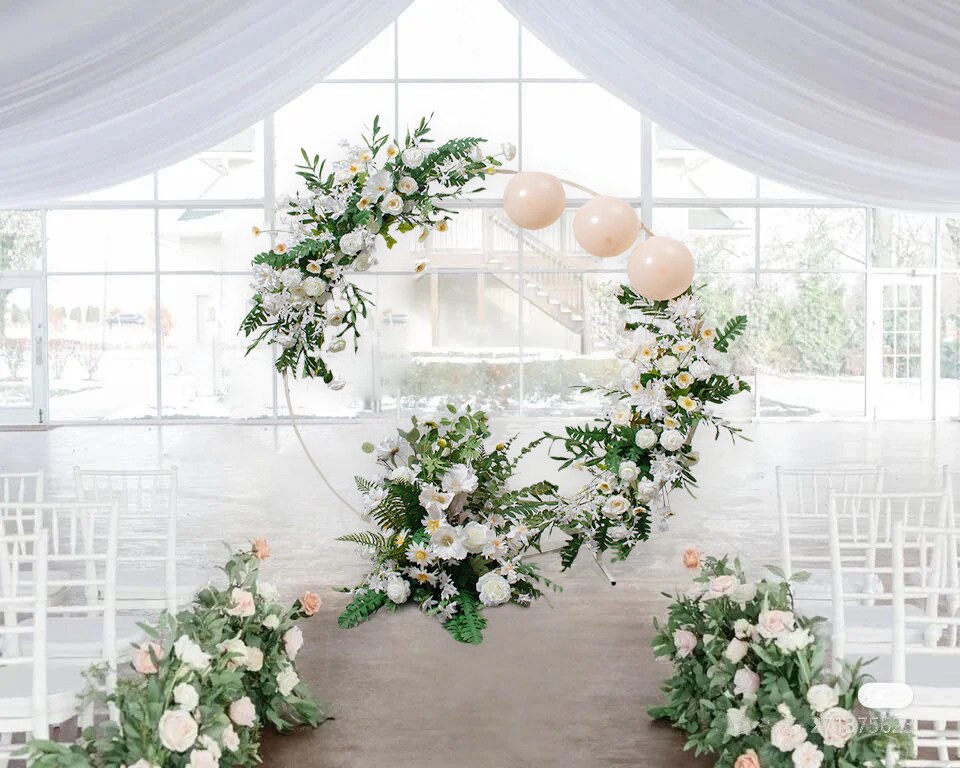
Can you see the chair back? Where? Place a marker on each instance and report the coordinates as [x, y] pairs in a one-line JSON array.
[[147, 539], [18, 555], [22, 486]]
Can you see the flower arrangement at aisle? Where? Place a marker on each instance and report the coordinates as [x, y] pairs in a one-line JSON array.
[[204, 683], [304, 300], [452, 533], [749, 684], [671, 373]]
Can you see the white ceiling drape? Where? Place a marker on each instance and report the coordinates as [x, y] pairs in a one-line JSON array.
[[855, 100]]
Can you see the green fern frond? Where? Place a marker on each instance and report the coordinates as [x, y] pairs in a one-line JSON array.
[[468, 624], [361, 608]]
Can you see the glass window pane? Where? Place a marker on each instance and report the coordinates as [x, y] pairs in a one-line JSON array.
[[200, 239], [950, 243], [774, 189], [205, 371], [725, 296], [812, 239], [467, 38], [21, 240], [809, 347], [553, 137], [100, 241], [102, 332], [541, 62], [318, 119], [902, 239], [374, 61], [137, 189], [485, 110], [16, 334], [229, 171], [720, 238], [948, 388], [682, 170]]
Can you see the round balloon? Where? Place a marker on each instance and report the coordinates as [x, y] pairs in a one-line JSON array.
[[534, 200], [660, 268], [606, 226]]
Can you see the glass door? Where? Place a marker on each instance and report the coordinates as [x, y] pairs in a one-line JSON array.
[[22, 353], [900, 382]]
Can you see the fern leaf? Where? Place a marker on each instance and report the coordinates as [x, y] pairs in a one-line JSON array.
[[468, 624], [361, 608], [366, 539], [570, 551]]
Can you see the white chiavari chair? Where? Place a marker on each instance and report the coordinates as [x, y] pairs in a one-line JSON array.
[[82, 629], [802, 504], [35, 693], [147, 575], [925, 656], [861, 549], [25, 487]]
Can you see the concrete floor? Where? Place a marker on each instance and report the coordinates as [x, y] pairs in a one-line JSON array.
[[563, 683]]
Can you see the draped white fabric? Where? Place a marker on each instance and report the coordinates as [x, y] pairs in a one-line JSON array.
[[852, 99], [856, 100], [96, 93]]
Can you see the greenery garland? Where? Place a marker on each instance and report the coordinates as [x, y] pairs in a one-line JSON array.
[[304, 300]]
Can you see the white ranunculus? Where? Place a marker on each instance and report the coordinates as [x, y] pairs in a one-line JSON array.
[[459, 479], [700, 369], [407, 185], [739, 723], [787, 734], [616, 506], [177, 730], [271, 621], [191, 654], [837, 726], [646, 438], [292, 642], [287, 680], [186, 696], [671, 439], [254, 660], [398, 590], [475, 537], [821, 697], [628, 471], [413, 157], [312, 286], [807, 756], [493, 589], [668, 365], [392, 203], [291, 277], [736, 650], [796, 640]]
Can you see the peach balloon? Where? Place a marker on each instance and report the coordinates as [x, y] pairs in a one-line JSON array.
[[606, 226], [660, 268], [534, 200]]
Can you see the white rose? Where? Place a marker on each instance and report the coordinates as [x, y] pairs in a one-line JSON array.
[[671, 439], [186, 696], [203, 758], [736, 650], [352, 242], [821, 697], [786, 735], [837, 726], [646, 438], [287, 680], [722, 586], [493, 589], [668, 365], [744, 593], [616, 506], [628, 471], [407, 185], [210, 744], [621, 415], [398, 590], [392, 203], [739, 723], [293, 642], [772, 624], [254, 660], [290, 277], [742, 628], [191, 654], [312, 286], [235, 648], [475, 536], [141, 763], [271, 621], [177, 730], [794, 641], [268, 591], [807, 756], [230, 738], [700, 369], [413, 157], [746, 682]]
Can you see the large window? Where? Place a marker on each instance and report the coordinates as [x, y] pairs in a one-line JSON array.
[[853, 311]]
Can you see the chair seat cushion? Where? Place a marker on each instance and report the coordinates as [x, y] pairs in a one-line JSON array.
[[934, 679]]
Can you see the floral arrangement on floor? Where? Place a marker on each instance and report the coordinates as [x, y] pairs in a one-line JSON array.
[[671, 373], [452, 534], [204, 684], [749, 684], [304, 300]]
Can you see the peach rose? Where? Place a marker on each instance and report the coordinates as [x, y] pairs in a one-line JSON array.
[[142, 660], [261, 550], [310, 603], [748, 759], [242, 712], [241, 603], [691, 558]]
